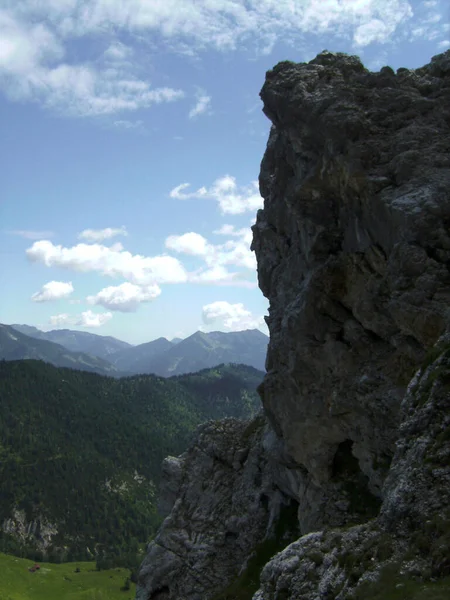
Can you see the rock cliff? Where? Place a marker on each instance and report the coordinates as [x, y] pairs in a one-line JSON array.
[[353, 250]]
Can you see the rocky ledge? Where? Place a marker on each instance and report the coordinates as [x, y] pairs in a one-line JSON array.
[[342, 489]]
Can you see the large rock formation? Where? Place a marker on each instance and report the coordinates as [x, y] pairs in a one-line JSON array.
[[353, 249]]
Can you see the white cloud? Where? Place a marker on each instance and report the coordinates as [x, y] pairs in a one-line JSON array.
[[87, 319], [234, 252], [219, 275], [125, 297], [231, 317], [179, 194], [232, 231], [444, 44], [231, 198], [218, 258], [188, 243], [202, 106], [117, 52], [36, 61], [220, 24], [32, 235], [34, 66], [100, 235], [91, 319], [53, 290], [61, 320], [113, 262]]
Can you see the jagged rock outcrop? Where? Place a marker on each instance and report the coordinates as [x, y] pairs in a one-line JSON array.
[[38, 532], [353, 250], [407, 547], [222, 502], [353, 247]]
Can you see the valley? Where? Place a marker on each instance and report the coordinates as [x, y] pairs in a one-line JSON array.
[[70, 581], [81, 454]]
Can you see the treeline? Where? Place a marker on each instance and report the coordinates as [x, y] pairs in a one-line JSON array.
[[84, 451]]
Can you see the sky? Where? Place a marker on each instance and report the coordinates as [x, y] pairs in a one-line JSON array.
[[131, 138]]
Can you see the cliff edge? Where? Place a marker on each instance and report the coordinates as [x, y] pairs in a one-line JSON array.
[[342, 488]]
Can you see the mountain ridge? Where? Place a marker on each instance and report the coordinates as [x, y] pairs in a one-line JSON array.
[[160, 356], [15, 345]]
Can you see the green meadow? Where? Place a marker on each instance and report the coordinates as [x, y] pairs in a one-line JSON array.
[[60, 581]]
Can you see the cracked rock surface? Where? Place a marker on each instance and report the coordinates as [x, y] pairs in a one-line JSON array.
[[353, 249], [353, 252]]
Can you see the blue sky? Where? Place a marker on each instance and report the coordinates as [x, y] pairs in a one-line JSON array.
[[132, 135]]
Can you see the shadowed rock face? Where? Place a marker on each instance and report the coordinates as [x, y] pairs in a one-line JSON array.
[[353, 250]]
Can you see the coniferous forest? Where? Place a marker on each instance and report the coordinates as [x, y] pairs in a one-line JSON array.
[[83, 452]]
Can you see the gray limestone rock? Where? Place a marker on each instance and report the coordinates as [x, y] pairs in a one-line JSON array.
[[353, 251], [409, 543], [353, 247], [222, 501]]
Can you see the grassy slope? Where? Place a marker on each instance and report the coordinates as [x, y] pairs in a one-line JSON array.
[[60, 582]]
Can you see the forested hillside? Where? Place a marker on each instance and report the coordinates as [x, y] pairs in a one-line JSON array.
[[83, 452]]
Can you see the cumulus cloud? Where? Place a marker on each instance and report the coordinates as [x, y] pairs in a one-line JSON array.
[[125, 297], [231, 198], [53, 290], [188, 243], [112, 261], [87, 319], [218, 258], [202, 106], [100, 235], [231, 317]]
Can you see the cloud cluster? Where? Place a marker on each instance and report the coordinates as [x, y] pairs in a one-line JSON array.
[[227, 263], [222, 24], [218, 258], [125, 297], [112, 261], [35, 65], [231, 198], [36, 62], [231, 317], [87, 319], [53, 290]]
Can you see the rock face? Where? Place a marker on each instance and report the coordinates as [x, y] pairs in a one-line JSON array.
[[222, 502], [408, 546], [353, 250], [352, 246], [39, 532]]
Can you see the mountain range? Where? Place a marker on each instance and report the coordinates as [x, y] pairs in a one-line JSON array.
[[15, 345], [109, 356]]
